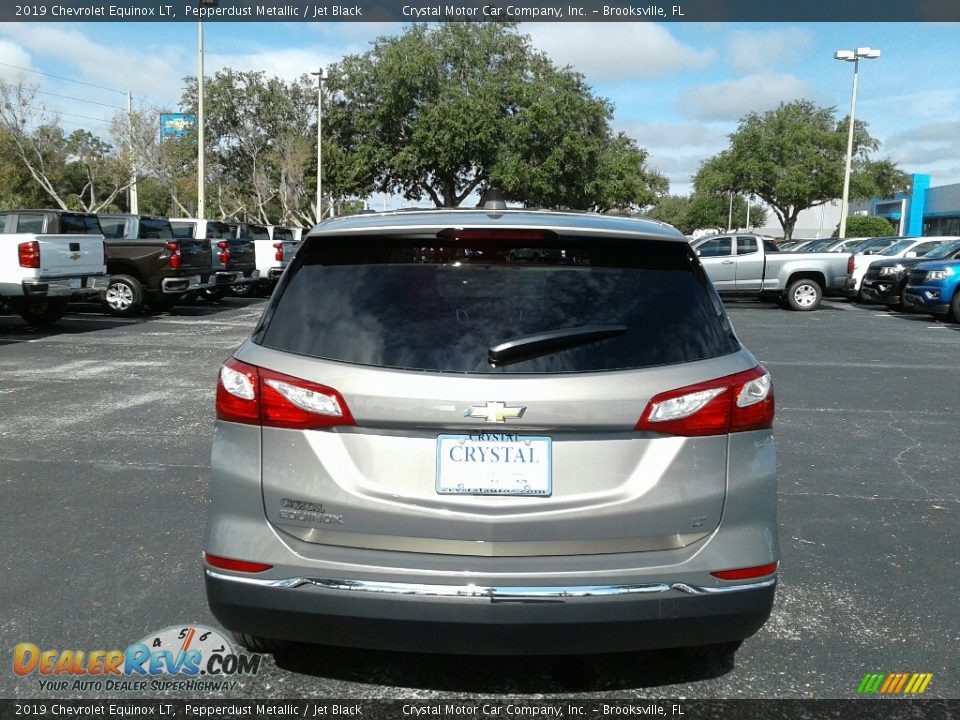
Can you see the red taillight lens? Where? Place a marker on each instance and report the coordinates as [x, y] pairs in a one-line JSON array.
[[174, 249], [255, 396], [734, 403], [29, 254], [850, 265], [746, 573], [279, 254], [231, 564]]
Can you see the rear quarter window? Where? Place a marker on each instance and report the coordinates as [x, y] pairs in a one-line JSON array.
[[437, 305]]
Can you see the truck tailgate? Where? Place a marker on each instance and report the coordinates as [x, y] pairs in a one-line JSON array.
[[66, 255], [195, 256]]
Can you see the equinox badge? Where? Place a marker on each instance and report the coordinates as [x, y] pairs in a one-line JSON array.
[[494, 412]]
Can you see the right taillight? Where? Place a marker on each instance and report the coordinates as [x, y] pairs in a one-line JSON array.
[[29, 254], [850, 265], [734, 403], [257, 396], [224, 252], [279, 254]]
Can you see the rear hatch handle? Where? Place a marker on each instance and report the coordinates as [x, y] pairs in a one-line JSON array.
[[538, 344]]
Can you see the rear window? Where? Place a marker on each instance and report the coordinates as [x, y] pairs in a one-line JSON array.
[[220, 231], [155, 229], [113, 227], [441, 305], [182, 229], [259, 232], [30, 223], [282, 234], [79, 224]]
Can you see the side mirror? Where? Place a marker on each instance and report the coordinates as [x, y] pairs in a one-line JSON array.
[[910, 254]]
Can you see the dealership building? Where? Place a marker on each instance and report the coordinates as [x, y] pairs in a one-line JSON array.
[[922, 210]]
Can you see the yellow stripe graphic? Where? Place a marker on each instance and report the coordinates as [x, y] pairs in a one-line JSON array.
[[926, 681], [915, 680]]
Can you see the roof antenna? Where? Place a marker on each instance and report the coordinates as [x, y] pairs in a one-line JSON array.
[[493, 199]]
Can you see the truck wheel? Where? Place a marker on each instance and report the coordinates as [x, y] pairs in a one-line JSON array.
[[954, 313], [804, 294], [124, 296], [904, 306], [243, 290], [41, 312], [214, 293]]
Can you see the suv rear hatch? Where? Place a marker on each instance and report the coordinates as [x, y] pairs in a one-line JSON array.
[[452, 440]]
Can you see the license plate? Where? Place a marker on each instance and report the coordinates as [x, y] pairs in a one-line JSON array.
[[494, 464], [194, 280], [75, 283]]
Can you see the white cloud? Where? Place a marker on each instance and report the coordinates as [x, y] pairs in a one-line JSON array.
[[933, 148], [675, 135], [754, 52], [733, 99], [12, 54], [288, 64], [617, 51]]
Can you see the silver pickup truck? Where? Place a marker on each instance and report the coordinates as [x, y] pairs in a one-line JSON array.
[[743, 264]]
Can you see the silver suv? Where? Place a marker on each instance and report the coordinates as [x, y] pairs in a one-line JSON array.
[[425, 446]]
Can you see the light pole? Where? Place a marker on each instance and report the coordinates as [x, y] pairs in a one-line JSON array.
[[201, 175], [854, 57], [320, 78]]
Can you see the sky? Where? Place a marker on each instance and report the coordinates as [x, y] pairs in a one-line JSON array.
[[678, 89]]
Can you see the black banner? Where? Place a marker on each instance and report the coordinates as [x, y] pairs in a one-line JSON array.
[[496, 708], [306, 11]]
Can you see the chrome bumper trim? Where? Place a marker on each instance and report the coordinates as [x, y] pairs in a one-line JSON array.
[[490, 593]]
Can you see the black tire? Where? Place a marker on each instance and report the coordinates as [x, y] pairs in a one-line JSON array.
[[804, 295], [243, 290], [215, 293], [903, 306], [954, 313], [41, 312], [257, 644], [124, 296]]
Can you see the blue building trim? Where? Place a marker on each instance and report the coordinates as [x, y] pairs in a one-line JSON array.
[[918, 201]]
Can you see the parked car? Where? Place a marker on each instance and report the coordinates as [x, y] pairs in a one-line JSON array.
[[47, 258], [844, 244], [741, 264], [271, 256], [233, 261], [886, 279], [934, 287], [907, 247], [477, 456], [863, 254], [148, 264], [817, 245]]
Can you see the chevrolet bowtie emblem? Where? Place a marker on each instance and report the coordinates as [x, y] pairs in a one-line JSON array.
[[495, 412]]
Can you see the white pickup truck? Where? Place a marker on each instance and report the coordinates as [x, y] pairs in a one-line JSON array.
[[749, 265], [47, 258]]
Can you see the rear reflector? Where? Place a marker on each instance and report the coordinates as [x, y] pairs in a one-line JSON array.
[[735, 403], [746, 573], [257, 396], [231, 564]]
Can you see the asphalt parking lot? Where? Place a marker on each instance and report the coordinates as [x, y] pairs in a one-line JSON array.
[[104, 449]]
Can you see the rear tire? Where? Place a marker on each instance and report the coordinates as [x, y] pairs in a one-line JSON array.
[[903, 306], [804, 295], [257, 644], [41, 312], [243, 290], [124, 296], [214, 293]]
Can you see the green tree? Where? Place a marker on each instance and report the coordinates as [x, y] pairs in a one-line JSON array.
[[442, 111], [793, 159], [866, 226]]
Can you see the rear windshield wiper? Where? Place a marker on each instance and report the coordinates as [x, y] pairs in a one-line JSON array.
[[531, 346]]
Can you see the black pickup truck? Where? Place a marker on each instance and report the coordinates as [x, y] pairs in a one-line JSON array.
[[234, 259], [148, 264]]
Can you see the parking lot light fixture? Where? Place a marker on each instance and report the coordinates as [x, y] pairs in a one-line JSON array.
[[853, 56]]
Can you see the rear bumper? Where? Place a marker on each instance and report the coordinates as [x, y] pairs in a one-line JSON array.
[[174, 285], [65, 287], [487, 620], [881, 291], [236, 277]]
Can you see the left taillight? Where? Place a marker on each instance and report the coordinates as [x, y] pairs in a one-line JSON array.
[[29, 254], [257, 396], [734, 403], [174, 249], [278, 246], [224, 252]]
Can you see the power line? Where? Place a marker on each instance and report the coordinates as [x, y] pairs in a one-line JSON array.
[[83, 100], [85, 117], [60, 77]]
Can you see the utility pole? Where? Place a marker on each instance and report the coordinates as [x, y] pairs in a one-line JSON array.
[[320, 78], [133, 200]]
